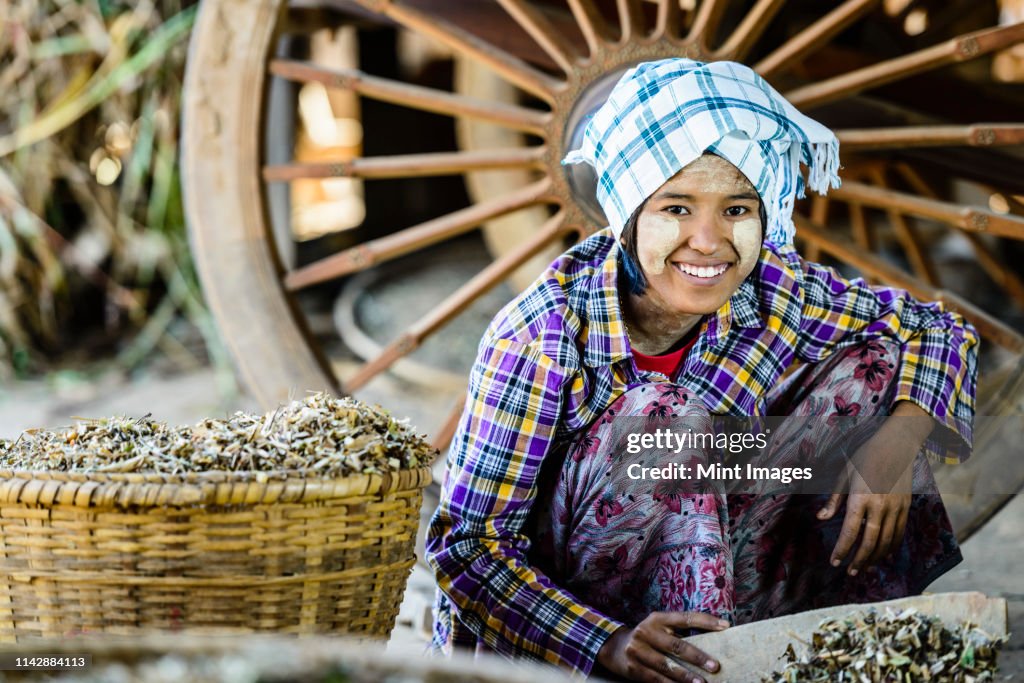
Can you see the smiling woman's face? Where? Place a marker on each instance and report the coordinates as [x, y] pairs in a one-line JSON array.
[[699, 236]]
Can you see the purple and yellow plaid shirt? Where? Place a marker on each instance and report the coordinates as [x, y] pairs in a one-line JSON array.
[[554, 359]]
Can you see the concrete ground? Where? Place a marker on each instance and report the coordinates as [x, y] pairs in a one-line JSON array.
[[993, 557]]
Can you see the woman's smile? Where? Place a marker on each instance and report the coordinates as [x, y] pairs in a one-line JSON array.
[[697, 238], [702, 275]]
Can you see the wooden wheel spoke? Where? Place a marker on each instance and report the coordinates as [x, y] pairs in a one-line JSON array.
[[414, 238], [1003, 276], [819, 216], [964, 217], [511, 68], [457, 302], [962, 48], [870, 264], [1006, 278], [631, 20], [591, 24], [909, 7], [706, 20], [446, 432], [861, 230], [1016, 206], [745, 36], [413, 96], [915, 180], [974, 135], [813, 37], [540, 29], [409, 165], [669, 19], [908, 238]]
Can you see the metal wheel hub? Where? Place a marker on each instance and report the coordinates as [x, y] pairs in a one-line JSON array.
[[573, 187], [581, 178]]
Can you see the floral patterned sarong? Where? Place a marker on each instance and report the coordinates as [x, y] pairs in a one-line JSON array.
[[629, 547]]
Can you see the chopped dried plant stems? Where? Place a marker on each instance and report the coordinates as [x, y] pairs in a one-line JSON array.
[[320, 435], [904, 646]]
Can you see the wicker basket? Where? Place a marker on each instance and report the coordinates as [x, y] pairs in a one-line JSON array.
[[217, 551]]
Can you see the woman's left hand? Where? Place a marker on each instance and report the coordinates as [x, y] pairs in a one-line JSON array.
[[882, 516], [883, 463]]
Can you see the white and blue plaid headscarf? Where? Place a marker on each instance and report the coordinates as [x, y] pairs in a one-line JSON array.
[[663, 115]]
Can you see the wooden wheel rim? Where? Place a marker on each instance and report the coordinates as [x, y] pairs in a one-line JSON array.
[[249, 289], [225, 205], [219, 114]]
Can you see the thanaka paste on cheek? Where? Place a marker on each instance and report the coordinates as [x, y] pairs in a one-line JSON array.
[[657, 238], [746, 235]]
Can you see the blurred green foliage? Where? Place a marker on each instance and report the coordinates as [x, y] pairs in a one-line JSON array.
[[92, 237]]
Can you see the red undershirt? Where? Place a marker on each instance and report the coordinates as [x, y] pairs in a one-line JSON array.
[[666, 363]]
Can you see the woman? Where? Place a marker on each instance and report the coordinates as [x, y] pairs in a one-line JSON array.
[[690, 304]]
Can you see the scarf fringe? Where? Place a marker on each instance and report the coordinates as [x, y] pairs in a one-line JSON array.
[[823, 171]]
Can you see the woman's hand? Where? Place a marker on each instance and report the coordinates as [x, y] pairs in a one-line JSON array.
[[651, 652], [884, 464], [881, 516]]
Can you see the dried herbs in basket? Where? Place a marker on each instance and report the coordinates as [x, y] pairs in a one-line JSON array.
[[905, 646], [321, 435]]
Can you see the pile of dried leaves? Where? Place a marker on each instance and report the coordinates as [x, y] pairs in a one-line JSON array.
[[908, 646], [320, 435]]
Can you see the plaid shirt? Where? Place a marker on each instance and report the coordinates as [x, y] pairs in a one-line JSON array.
[[557, 356]]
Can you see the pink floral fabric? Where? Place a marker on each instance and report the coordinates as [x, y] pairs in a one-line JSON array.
[[629, 546]]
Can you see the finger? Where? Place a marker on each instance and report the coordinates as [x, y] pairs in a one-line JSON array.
[[885, 539], [688, 620], [869, 540], [680, 649], [830, 507], [850, 531], [901, 528], [656, 666], [640, 664]]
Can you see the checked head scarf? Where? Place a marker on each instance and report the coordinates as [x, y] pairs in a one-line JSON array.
[[662, 115]]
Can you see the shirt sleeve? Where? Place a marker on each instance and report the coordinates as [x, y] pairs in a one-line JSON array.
[[939, 361], [475, 543]]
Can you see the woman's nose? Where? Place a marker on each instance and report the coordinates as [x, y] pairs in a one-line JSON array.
[[705, 235]]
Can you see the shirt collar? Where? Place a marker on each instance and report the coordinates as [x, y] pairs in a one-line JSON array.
[[741, 310], [607, 341]]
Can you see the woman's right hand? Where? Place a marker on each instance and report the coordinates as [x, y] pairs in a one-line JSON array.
[[651, 653]]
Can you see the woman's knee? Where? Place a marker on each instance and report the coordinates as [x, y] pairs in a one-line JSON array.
[[864, 374], [617, 439]]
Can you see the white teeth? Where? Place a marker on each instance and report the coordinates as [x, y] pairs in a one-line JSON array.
[[703, 271]]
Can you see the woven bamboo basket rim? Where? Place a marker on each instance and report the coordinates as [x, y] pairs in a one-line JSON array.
[[352, 651], [175, 582], [153, 489]]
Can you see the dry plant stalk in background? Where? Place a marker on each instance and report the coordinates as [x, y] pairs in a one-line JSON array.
[[89, 191]]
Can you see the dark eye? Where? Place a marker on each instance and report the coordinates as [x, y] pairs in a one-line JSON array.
[[676, 209], [736, 210]]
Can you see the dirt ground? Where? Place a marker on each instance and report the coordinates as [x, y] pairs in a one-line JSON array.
[[992, 558]]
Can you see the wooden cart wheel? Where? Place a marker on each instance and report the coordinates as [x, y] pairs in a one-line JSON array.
[[899, 104]]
